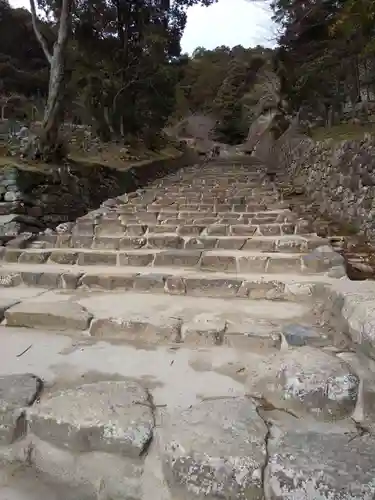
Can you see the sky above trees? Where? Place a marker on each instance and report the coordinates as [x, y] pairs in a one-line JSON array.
[[229, 22]]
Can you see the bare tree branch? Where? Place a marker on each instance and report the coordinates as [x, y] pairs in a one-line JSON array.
[[38, 33]]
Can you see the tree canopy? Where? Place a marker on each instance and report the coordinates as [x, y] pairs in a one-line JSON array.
[[121, 65], [325, 58]]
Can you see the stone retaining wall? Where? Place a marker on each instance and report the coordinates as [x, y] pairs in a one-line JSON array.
[[31, 201], [349, 307], [339, 178]]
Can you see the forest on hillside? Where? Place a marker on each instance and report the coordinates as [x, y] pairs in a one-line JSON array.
[[325, 58], [227, 84], [155, 89], [119, 66]]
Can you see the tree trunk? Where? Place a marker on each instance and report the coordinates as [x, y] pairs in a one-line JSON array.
[[331, 116], [49, 145], [54, 111]]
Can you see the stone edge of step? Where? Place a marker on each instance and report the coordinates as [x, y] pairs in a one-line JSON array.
[[172, 281]]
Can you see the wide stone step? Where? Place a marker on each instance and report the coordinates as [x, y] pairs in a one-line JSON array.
[[131, 213], [166, 280], [229, 261], [161, 319], [228, 224], [187, 237]]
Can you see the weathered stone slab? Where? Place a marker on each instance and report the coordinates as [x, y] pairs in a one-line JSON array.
[[113, 417], [136, 327], [16, 393], [63, 257], [150, 282], [324, 466], [306, 381], [189, 229], [31, 278], [136, 259], [54, 315], [182, 258], [200, 243], [217, 262], [69, 280], [291, 244], [258, 290], [30, 257], [106, 243], [132, 242], [164, 241], [300, 335], [174, 285], [83, 228], [304, 227], [21, 241], [49, 279], [162, 228], [231, 243], [87, 476], [108, 281], [284, 265], [322, 259], [354, 303], [271, 229], [246, 333], [135, 230], [220, 287], [110, 228], [65, 241], [364, 367], [204, 328], [243, 230], [78, 241], [215, 449], [217, 230], [97, 258], [252, 264], [12, 254], [260, 244]]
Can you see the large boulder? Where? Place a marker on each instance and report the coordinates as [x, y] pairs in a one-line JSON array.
[[112, 417], [306, 381]]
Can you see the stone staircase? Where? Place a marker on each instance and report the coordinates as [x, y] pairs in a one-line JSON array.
[[186, 341]]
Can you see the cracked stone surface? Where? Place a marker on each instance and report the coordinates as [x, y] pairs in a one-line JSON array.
[[16, 393], [215, 449], [306, 380], [115, 417], [324, 466]]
